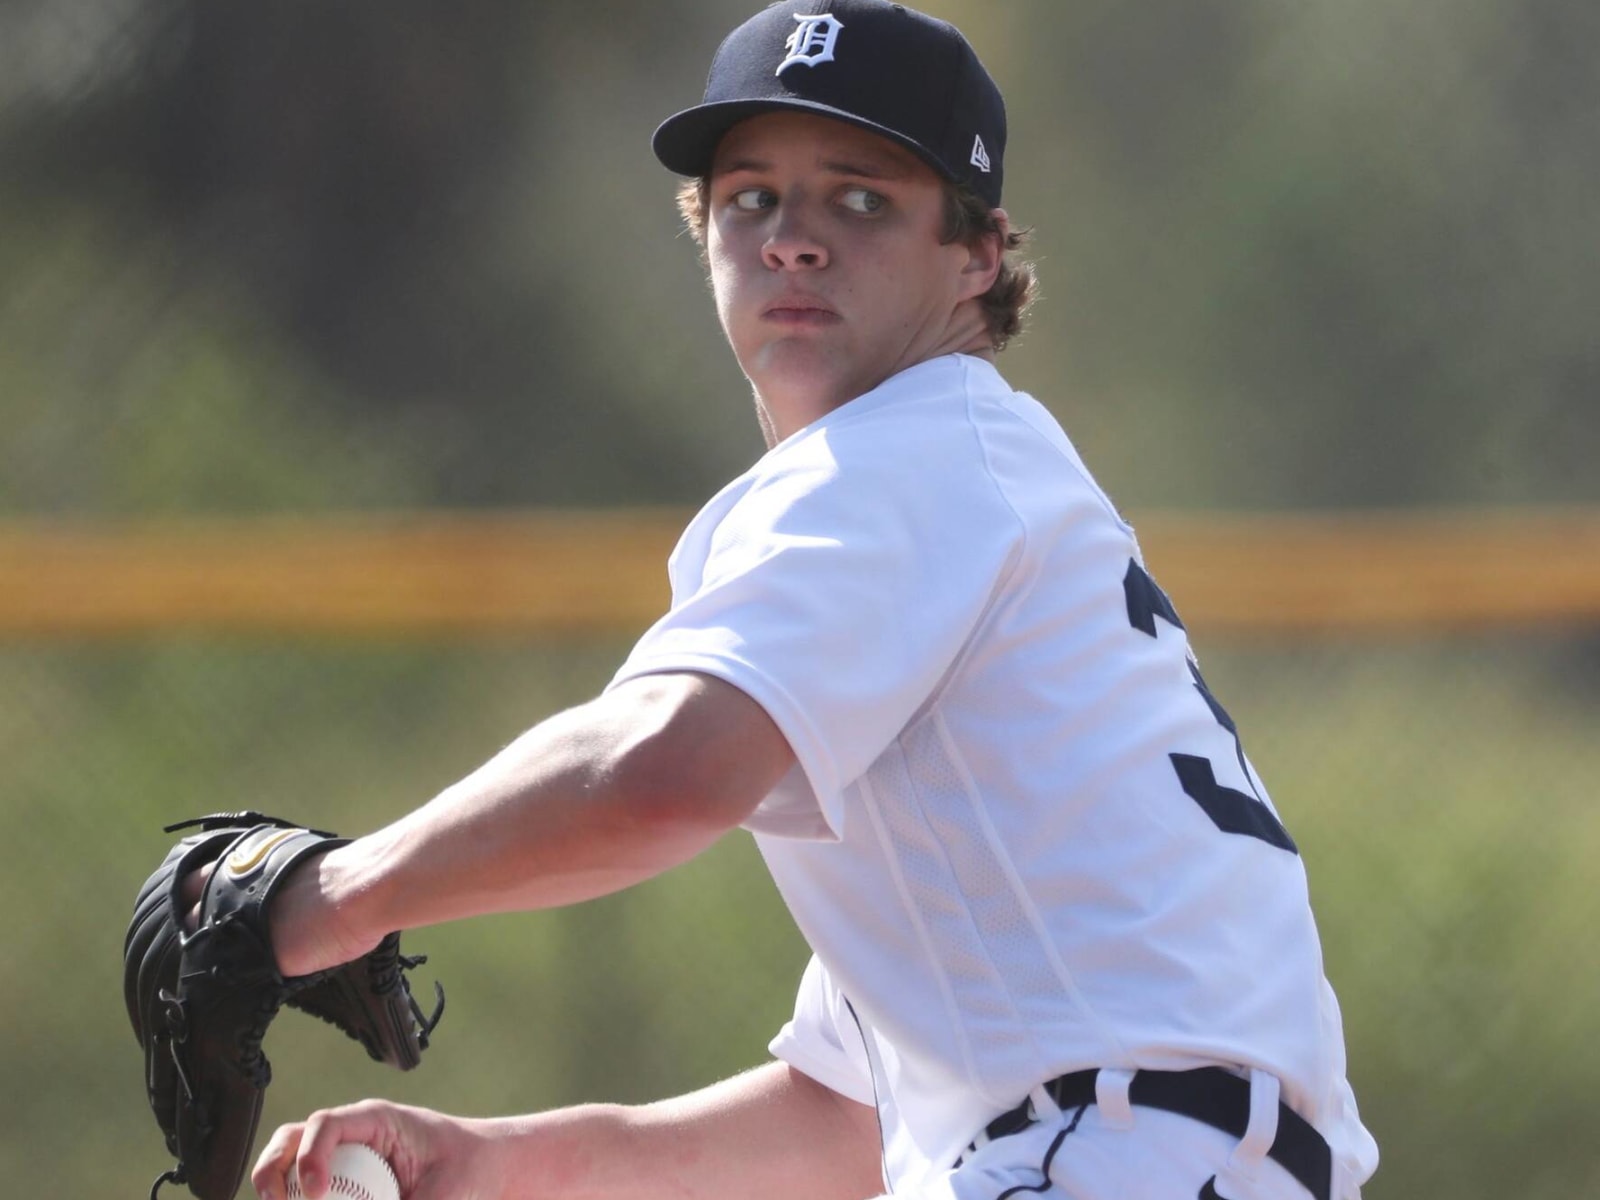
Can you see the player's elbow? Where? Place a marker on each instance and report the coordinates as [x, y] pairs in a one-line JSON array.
[[690, 752]]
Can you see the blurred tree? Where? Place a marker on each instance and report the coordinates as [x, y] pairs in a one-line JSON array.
[[1331, 254], [349, 174]]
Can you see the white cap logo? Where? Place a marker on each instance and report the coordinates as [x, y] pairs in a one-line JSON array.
[[980, 155], [812, 43]]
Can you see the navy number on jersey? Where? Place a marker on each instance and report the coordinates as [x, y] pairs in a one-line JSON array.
[[1230, 810]]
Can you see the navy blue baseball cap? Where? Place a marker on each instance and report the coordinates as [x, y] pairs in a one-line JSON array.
[[880, 66]]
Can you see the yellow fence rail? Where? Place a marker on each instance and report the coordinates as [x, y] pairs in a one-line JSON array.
[[430, 573]]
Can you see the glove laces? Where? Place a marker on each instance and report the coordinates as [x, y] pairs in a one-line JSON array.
[[386, 968], [252, 1061]]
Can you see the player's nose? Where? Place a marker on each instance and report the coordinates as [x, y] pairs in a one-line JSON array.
[[792, 243]]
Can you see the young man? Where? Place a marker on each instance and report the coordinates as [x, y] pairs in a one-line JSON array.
[[1062, 941]]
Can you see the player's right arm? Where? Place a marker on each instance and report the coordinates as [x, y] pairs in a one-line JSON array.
[[771, 1132]]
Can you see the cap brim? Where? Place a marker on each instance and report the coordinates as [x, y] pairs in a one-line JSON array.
[[686, 142]]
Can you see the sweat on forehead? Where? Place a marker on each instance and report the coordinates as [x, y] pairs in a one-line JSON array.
[[881, 67]]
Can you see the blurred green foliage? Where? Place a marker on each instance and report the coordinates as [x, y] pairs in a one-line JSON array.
[[364, 255], [1441, 794], [372, 254]]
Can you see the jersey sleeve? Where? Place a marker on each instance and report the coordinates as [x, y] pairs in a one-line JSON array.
[[837, 591], [822, 1040]]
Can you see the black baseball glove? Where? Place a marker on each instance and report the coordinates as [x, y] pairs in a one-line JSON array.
[[201, 1001]]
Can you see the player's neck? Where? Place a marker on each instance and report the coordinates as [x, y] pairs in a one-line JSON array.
[[786, 406], [785, 410]]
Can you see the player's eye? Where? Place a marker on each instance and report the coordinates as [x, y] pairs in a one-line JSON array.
[[752, 199], [862, 200]]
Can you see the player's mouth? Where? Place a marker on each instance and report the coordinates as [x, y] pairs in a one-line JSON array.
[[799, 311]]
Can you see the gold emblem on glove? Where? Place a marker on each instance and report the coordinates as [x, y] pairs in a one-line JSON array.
[[244, 860]]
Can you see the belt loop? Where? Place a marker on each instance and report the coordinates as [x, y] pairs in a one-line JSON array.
[[1247, 1156], [1043, 1105], [1111, 1095]]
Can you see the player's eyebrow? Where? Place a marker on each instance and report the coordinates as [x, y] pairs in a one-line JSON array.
[[740, 164], [873, 169]]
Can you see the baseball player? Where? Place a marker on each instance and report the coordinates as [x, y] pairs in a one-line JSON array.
[[1062, 942]]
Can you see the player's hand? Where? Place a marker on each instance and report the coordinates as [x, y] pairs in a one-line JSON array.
[[434, 1156], [193, 887]]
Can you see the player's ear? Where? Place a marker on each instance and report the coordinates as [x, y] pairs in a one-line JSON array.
[[985, 256]]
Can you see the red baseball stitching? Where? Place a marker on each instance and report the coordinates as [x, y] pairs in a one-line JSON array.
[[343, 1185]]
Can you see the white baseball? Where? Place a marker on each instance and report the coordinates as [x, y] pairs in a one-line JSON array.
[[357, 1173]]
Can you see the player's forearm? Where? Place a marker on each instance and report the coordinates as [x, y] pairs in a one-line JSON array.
[[548, 821], [770, 1133], [586, 803]]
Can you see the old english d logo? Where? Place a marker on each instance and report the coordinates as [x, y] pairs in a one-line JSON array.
[[812, 43], [247, 857]]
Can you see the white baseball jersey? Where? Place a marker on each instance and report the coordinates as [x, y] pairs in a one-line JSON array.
[[1021, 837]]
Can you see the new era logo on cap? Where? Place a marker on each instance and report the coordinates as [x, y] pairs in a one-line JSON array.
[[877, 65], [812, 43], [980, 156]]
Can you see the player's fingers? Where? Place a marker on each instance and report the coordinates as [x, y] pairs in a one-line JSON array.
[[270, 1177], [194, 884], [369, 1122], [323, 1131]]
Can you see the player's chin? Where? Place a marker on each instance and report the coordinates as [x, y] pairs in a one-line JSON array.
[[807, 362], [809, 350]]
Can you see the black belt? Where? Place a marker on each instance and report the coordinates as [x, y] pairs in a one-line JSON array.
[[1211, 1095]]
